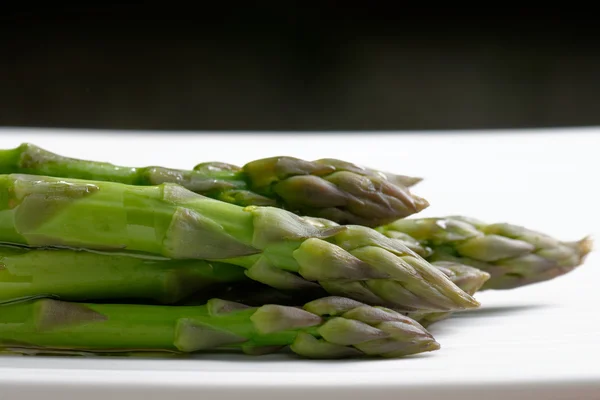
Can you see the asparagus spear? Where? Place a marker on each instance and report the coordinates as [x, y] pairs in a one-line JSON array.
[[327, 188], [467, 278], [335, 190], [276, 247], [513, 255], [331, 327], [253, 293], [79, 275], [76, 275]]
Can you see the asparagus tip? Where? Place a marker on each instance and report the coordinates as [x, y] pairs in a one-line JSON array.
[[585, 246], [420, 203], [411, 180], [432, 346]]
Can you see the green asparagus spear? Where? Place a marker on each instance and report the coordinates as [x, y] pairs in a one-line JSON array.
[[277, 247], [74, 275], [327, 188], [77, 275], [331, 327], [467, 278], [334, 190], [513, 255], [253, 293]]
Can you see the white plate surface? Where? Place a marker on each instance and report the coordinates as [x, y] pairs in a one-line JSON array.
[[542, 341]]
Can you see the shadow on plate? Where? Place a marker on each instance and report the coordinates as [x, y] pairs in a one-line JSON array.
[[448, 325], [499, 310], [187, 360]]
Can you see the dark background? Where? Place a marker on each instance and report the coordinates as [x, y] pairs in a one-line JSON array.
[[275, 66]]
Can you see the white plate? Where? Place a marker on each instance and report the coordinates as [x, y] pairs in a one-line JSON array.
[[540, 341]]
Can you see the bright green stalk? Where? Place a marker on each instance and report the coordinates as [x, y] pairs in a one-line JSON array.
[[276, 247], [95, 276], [326, 188], [30, 159], [325, 328], [513, 255]]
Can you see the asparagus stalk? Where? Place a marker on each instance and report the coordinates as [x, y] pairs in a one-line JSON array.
[[276, 247], [76, 275], [513, 255], [326, 188], [331, 327], [79, 275]]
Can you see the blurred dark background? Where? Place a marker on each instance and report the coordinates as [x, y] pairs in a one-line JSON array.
[[293, 66]]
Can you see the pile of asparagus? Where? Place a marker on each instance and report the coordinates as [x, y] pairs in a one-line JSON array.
[[321, 258]]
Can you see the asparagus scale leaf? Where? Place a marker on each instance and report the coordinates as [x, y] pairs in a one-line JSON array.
[[467, 278], [327, 328], [276, 247], [328, 188], [513, 255]]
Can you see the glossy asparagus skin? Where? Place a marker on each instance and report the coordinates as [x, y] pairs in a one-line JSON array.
[[327, 328], [513, 255], [276, 247], [334, 189], [79, 275]]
